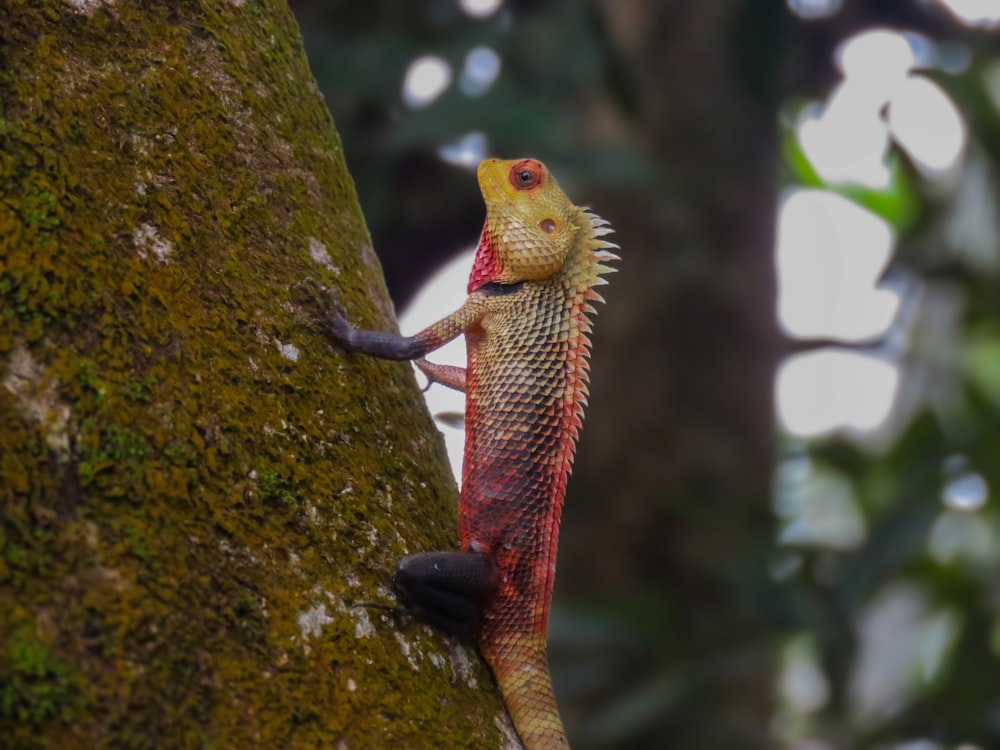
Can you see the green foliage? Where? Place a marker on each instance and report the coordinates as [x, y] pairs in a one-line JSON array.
[[899, 202], [920, 551]]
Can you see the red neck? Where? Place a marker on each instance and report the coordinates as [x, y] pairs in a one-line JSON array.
[[486, 267]]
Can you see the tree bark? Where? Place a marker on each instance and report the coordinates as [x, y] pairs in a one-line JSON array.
[[195, 488]]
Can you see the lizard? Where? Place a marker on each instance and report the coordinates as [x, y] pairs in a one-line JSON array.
[[527, 324]]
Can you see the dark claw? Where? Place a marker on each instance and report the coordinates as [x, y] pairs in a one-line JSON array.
[[327, 311], [338, 326], [394, 609], [430, 380], [310, 293]]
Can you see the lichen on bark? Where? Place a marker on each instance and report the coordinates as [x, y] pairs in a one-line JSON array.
[[195, 488]]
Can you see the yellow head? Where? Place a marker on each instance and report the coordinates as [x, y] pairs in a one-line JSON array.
[[530, 223]]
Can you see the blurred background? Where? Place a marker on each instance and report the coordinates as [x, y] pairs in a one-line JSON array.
[[782, 530]]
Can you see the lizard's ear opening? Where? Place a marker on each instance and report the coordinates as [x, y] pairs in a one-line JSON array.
[[549, 226]]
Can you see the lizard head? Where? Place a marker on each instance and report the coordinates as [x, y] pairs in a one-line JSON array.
[[529, 223]]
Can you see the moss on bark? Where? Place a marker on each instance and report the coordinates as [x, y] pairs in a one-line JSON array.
[[194, 486]]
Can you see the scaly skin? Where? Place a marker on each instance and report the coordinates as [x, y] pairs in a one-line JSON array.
[[527, 331]]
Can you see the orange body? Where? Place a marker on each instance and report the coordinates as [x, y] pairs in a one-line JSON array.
[[527, 327]]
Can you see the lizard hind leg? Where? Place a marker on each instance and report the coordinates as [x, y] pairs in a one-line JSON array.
[[447, 589], [449, 376]]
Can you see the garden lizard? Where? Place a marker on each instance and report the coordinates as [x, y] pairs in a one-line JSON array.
[[527, 323]]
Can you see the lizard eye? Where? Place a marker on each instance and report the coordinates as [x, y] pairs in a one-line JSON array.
[[525, 174]]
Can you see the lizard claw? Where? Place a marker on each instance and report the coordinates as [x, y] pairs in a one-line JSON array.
[[393, 609], [422, 365], [324, 303], [311, 292]]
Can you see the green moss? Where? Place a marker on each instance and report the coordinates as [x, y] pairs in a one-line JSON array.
[[117, 448], [139, 390], [164, 168], [34, 685]]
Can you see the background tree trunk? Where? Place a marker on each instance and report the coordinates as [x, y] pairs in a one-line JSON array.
[[669, 510], [195, 486]]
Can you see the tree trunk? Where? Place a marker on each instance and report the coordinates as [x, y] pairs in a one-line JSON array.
[[194, 486], [669, 511]]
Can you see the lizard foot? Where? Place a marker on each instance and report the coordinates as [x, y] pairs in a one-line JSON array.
[[447, 589], [326, 310]]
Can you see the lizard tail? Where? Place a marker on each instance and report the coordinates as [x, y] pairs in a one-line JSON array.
[[522, 671]]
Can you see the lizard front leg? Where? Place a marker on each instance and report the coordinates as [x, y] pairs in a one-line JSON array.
[[386, 345]]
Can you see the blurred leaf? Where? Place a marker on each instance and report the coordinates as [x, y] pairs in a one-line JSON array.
[[454, 419], [982, 353], [898, 203]]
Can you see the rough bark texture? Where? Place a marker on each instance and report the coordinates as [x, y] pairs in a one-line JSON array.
[[194, 486]]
